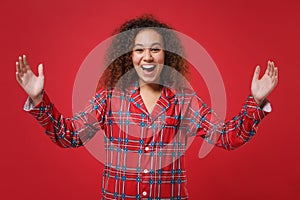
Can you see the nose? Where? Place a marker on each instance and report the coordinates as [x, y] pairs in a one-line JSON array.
[[147, 55]]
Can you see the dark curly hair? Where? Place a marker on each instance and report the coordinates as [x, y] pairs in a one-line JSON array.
[[119, 60]]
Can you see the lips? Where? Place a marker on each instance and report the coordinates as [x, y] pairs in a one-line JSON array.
[[148, 68]]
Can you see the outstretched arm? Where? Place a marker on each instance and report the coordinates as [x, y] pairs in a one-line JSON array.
[[261, 88], [65, 132], [240, 129]]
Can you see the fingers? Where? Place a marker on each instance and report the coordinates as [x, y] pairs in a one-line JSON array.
[[276, 72], [256, 73], [18, 69], [268, 70], [40, 70], [22, 65], [25, 59], [272, 71], [25, 62], [18, 77], [275, 76], [19, 72], [21, 68]]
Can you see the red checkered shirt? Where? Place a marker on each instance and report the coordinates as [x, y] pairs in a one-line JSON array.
[[144, 153]]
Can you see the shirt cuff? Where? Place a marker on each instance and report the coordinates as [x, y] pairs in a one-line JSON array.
[[253, 110], [39, 109], [28, 106], [267, 107]]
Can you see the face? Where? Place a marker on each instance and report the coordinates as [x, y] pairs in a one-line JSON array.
[[148, 56]]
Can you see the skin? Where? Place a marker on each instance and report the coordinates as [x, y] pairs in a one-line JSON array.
[[148, 51], [33, 85], [145, 52], [261, 88]]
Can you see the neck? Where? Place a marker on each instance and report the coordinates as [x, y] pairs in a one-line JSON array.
[[150, 87]]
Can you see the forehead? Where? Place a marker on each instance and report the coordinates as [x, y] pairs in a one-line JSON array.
[[148, 37]]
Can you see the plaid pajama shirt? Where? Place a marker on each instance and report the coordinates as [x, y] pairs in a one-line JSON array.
[[144, 152]]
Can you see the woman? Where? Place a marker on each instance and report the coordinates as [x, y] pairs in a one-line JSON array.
[[146, 112]]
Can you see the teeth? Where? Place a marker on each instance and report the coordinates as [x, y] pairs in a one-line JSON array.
[[148, 66]]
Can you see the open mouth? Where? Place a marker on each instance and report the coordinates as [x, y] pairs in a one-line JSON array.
[[148, 68]]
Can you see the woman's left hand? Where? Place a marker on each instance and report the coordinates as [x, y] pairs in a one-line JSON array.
[[261, 88]]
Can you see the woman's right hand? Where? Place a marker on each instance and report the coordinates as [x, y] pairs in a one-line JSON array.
[[32, 84]]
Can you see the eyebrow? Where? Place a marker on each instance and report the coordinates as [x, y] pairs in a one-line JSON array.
[[155, 43]]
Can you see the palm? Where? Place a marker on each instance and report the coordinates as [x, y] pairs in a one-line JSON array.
[[261, 88], [32, 84]]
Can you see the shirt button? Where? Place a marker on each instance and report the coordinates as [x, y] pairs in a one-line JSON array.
[[144, 193], [146, 171], [147, 148]]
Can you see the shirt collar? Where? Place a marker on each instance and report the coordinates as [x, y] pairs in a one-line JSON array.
[[167, 92]]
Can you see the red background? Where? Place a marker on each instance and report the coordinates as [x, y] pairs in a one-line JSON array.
[[237, 34]]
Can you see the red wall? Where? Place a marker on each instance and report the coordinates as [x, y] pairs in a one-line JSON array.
[[237, 34]]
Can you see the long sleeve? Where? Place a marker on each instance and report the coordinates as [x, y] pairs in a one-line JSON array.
[[69, 132], [230, 134]]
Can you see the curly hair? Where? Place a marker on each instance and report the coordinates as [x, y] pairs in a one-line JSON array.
[[119, 60]]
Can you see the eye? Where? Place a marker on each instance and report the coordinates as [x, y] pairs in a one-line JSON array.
[[155, 50], [139, 50]]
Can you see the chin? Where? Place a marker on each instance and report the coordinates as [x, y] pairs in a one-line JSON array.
[[149, 80]]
